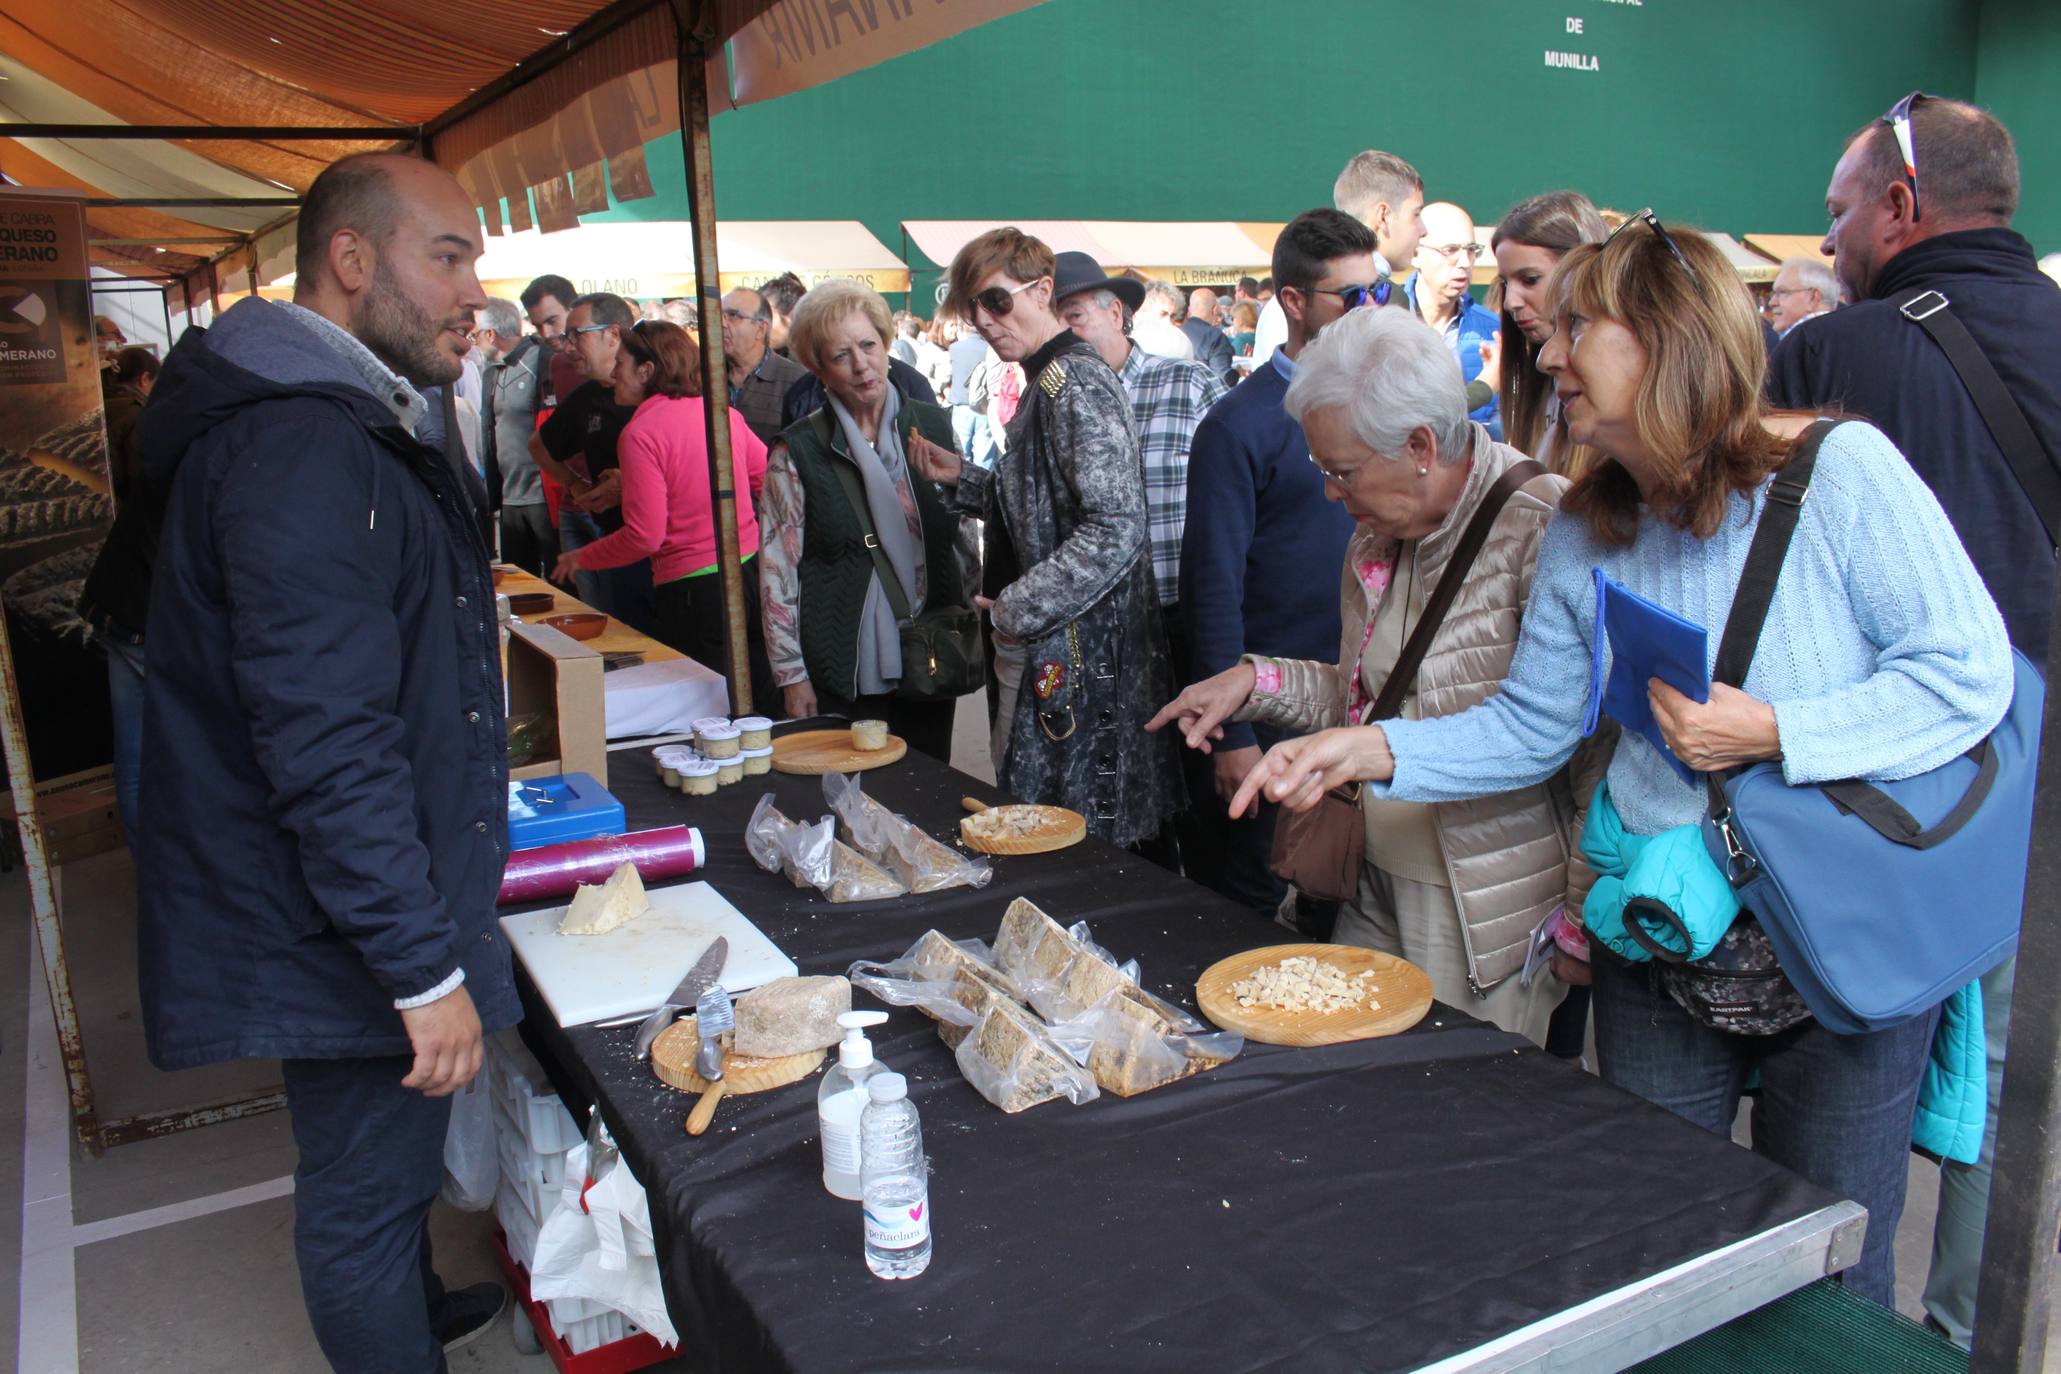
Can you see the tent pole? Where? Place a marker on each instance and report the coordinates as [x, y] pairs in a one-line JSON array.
[[2011, 1303], [690, 23]]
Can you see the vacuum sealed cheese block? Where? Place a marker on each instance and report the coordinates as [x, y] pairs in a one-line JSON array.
[[1031, 947], [791, 1016], [1011, 1059], [598, 910]]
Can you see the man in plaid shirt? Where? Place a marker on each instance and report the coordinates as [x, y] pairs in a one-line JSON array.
[[1169, 397]]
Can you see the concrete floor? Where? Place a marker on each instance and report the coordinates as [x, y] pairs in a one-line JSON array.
[[176, 1255]]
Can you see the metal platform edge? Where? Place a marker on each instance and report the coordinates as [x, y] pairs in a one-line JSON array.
[[1642, 1319]]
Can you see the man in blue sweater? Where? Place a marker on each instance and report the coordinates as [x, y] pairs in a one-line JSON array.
[[1263, 551]]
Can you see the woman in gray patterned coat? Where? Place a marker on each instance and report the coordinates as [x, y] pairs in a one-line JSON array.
[[1070, 495]]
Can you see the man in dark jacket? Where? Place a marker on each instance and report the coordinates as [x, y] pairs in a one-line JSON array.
[[1895, 237], [325, 823]]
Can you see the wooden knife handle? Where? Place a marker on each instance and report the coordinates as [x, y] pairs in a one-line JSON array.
[[705, 1110], [971, 805]]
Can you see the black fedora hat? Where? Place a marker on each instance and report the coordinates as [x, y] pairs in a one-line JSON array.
[[1073, 273]]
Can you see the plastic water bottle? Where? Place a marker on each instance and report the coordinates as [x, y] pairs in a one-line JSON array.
[[841, 1100], [897, 1187]]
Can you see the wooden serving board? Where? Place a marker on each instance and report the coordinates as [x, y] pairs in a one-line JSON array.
[[1045, 828], [830, 751], [672, 1059], [1402, 989]]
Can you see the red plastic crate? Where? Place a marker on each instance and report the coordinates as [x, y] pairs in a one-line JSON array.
[[640, 1351]]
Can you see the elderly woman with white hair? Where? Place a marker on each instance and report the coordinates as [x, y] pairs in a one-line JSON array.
[[1457, 888]]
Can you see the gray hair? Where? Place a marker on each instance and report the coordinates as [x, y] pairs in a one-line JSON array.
[[1391, 374], [503, 317], [1105, 298], [1373, 177], [1168, 295], [1817, 275]]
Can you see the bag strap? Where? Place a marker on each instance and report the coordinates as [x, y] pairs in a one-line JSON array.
[[1764, 557], [890, 580], [2030, 462], [1403, 676]]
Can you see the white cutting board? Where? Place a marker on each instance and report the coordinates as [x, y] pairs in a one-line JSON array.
[[631, 969]]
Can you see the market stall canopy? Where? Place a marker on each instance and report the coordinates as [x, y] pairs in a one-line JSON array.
[[1782, 247], [1183, 252], [656, 260], [1751, 266], [543, 104]]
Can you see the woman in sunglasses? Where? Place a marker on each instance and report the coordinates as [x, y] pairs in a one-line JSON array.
[[1882, 656], [667, 514], [1528, 245], [843, 512], [1077, 599]]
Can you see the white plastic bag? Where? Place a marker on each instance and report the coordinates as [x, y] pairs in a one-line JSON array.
[[597, 1245], [472, 1166]]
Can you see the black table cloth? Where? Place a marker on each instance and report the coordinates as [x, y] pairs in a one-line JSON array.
[[1375, 1205]]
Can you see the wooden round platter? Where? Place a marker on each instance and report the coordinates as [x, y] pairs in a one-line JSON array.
[[1402, 989], [1020, 827], [672, 1059], [831, 751]]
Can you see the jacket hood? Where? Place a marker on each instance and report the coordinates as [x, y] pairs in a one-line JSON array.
[[258, 351]]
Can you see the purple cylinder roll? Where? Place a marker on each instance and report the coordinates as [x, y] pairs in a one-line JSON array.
[[554, 870]]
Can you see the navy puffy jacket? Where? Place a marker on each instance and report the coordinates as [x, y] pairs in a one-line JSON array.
[[1868, 359], [324, 815]]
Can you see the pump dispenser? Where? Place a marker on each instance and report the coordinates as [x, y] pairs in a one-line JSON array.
[[842, 1098]]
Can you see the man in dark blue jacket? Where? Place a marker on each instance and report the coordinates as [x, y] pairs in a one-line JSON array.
[[325, 809], [1263, 554], [1944, 227]]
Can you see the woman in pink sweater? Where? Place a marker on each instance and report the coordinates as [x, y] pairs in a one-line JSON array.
[[668, 514]]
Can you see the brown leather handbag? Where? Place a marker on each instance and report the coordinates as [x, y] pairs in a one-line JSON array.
[[1321, 850]]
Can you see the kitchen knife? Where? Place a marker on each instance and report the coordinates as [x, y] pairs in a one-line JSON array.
[[712, 1020], [699, 979]]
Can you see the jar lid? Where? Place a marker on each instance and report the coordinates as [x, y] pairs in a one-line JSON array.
[[764, 753], [669, 753], [752, 723], [710, 723], [696, 767], [715, 729]]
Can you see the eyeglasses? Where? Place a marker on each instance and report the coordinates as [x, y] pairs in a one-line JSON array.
[[1899, 121], [1453, 252], [1646, 217], [1353, 297], [586, 329], [741, 316], [996, 300]]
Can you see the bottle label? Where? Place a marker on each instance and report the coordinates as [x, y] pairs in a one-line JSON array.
[[898, 1227], [839, 1122]]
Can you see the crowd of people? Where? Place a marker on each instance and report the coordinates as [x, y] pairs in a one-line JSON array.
[[1293, 591]]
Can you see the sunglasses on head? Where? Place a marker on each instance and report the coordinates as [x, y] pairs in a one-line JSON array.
[[996, 300], [1646, 217], [1899, 121]]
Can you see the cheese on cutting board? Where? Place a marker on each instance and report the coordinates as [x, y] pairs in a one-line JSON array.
[[598, 910]]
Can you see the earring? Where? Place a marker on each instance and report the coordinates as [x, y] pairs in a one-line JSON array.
[[1424, 472]]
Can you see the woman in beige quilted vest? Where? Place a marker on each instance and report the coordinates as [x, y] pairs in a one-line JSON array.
[[1457, 888]]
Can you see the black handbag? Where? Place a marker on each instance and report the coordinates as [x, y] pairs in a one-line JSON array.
[[942, 655]]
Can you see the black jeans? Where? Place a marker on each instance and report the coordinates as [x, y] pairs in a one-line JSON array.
[[528, 538], [691, 619], [926, 725], [371, 1161]]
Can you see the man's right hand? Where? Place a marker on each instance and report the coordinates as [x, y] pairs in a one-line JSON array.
[[798, 699], [446, 1037], [1204, 706]]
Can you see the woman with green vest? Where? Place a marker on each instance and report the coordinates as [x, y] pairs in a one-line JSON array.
[[843, 515]]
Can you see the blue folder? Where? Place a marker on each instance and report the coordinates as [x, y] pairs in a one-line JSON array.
[[1646, 641]]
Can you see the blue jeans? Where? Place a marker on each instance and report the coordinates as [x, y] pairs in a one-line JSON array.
[[971, 432], [371, 1161], [1836, 1109], [125, 696], [1964, 1188], [624, 593]]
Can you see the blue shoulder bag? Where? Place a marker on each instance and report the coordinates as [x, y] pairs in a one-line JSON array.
[[1879, 898]]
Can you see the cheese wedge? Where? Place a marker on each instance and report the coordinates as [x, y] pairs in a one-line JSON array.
[[598, 910]]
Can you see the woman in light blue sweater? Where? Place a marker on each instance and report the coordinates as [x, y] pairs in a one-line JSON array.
[[1882, 656]]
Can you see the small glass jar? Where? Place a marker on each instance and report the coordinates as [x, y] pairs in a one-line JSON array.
[[869, 735], [716, 738], [729, 770], [669, 760], [756, 732], [698, 777], [756, 761]]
